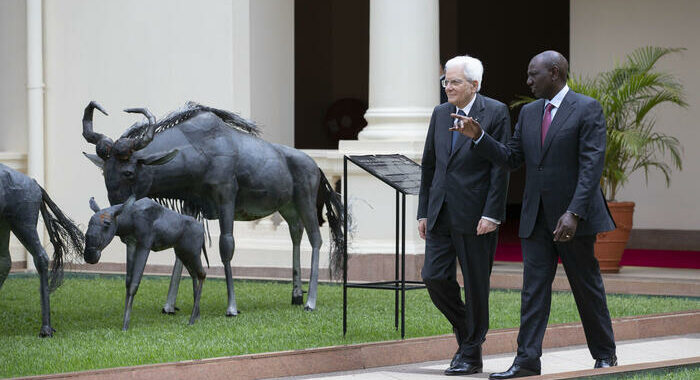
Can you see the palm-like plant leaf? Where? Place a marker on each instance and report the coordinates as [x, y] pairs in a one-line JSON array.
[[628, 93]]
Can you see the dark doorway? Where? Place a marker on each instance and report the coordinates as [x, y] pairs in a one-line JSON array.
[[331, 80], [332, 60], [504, 36]]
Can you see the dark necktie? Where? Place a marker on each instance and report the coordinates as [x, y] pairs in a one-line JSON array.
[[455, 134], [547, 120]]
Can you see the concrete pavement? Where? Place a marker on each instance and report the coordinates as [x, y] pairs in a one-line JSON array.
[[555, 360]]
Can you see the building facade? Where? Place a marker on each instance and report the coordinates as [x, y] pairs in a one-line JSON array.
[[241, 55]]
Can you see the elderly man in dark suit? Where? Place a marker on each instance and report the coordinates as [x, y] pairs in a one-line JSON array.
[[561, 140], [461, 202]]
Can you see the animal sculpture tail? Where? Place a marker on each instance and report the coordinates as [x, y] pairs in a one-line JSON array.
[[65, 236], [336, 221]]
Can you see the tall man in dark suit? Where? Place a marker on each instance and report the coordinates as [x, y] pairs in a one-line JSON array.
[[561, 140], [462, 201]]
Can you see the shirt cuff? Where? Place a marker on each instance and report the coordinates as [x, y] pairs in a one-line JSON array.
[[492, 220], [479, 139]]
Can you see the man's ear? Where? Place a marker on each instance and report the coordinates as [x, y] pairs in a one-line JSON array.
[[100, 163], [555, 72], [159, 158]]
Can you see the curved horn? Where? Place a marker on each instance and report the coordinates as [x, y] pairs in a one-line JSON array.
[[145, 139], [90, 135], [145, 112]]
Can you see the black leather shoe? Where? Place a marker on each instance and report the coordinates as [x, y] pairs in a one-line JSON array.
[[461, 367], [514, 371], [605, 363], [454, 359]]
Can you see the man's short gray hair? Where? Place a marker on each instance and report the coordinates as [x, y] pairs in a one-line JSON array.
[[472, 67]]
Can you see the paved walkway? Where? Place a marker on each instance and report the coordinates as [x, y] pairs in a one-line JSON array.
[[553, 360]]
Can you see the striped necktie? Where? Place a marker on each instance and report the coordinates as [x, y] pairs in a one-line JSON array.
[[547, 120], [455, 134]]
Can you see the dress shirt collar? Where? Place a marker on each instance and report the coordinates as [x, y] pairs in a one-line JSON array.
[[468, 107], [557, 99]]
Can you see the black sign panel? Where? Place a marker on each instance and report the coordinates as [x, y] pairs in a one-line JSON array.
[[396, 170]]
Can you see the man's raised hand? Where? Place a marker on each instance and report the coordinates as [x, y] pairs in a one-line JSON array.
[[466, 126]]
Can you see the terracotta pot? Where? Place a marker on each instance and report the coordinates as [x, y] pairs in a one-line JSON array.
[[609, 246]]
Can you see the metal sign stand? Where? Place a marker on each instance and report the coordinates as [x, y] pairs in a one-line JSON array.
[[407, 185]]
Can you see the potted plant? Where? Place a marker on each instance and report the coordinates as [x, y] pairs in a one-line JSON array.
[[628, 93]]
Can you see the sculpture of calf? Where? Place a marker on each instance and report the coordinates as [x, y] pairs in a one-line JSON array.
[[146, 225]]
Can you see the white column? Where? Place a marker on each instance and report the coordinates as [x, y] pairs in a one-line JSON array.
[[403, 90], [35, 101], [35, 91], [404, 69]]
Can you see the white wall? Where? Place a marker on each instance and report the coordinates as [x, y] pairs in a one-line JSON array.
[[13, 76], [602, 32], [157, 54], [235, 55], [272, 68]]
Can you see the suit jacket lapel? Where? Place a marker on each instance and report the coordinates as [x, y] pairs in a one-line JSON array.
[[446, 139], [567, 106], [477, 111]]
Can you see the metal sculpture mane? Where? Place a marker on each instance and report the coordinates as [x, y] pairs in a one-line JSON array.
[[211, 164], [21, 201]]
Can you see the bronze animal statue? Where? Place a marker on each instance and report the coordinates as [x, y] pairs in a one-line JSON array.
[[149, 226], [211, 164], [21, 201]]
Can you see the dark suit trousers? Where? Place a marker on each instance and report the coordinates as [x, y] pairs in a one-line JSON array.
[[540, 256], [470, 319]]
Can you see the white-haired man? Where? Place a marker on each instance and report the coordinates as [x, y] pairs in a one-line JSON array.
[[461, 203]]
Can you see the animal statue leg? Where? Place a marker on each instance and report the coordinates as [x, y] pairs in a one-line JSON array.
[[169, 307], [296, 230], [316, 241], [197, 283], [192, 261], [130, 259], [226, 247], [5, 259], [134, 272], [30, 239], [307, 210]]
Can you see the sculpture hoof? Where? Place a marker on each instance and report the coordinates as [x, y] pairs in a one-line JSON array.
[[168, 310], [46, 332], [297, 300]]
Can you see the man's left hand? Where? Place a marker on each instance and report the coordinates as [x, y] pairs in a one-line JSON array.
[[566, 227], [485, 226]]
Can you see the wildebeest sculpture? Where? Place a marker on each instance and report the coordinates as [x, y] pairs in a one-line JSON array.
[[211, 163], [149, 226], [21, 201]]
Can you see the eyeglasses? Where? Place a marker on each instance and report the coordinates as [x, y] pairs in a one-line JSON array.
[[453, 82]]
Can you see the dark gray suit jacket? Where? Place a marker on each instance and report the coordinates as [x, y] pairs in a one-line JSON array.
[[564, 172], [470, 184]]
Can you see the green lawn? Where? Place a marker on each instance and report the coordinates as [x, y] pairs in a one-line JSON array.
[[690, 372], [87, 314]]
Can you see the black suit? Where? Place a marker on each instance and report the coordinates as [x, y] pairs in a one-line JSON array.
[[458, 188], [563, 174]]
